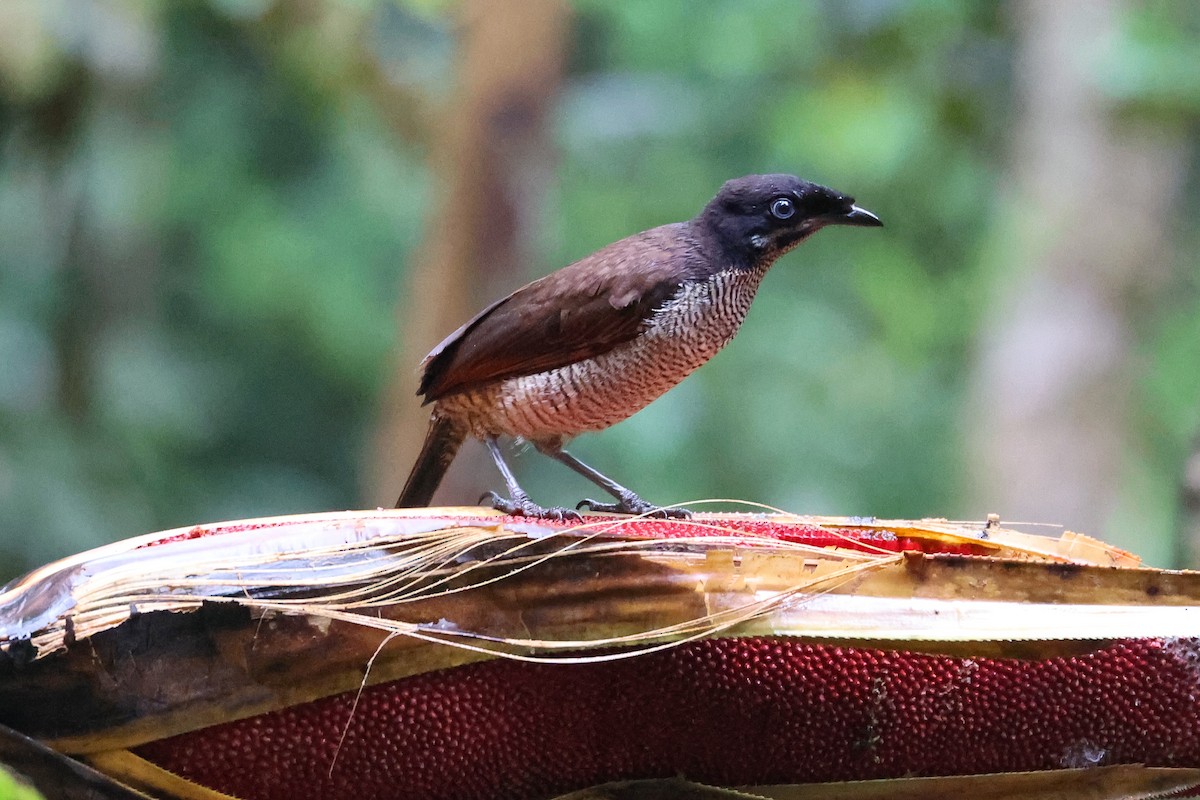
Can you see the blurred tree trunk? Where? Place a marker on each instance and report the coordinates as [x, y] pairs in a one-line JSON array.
[[1081, 243], [1191, 511], [108, 267], [491, 158]]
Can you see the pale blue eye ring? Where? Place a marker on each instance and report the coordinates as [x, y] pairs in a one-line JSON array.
[[782, 208]]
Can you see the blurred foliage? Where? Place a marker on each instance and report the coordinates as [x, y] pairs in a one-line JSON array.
[[11, 788], [835, 396], [207, 210]]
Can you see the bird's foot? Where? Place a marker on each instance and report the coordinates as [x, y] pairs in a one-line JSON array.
[[522, 506], [632, 504]]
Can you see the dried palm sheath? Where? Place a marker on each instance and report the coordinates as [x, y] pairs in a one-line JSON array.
[[455, 653]]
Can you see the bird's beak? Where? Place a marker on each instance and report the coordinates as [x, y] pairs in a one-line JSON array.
[[856, 216]]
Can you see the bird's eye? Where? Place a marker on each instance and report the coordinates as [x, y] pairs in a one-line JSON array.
[[782, 208]]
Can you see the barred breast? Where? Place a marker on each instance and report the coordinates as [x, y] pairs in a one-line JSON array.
[[598, 392]]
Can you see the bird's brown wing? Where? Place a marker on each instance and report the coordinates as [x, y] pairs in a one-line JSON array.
[[579, 312]]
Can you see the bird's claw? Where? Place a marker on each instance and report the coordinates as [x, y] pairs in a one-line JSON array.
[[524, 507], [635, 506]]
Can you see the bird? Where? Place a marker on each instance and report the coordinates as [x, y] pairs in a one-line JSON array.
[[593, 343]]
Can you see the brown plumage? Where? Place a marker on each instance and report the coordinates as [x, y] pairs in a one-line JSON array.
[[593, 343], [580, 311]]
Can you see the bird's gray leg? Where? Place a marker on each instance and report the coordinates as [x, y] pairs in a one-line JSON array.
[[627, 501], [519, 504]]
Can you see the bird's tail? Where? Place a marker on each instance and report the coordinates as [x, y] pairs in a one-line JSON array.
[[442, 441]]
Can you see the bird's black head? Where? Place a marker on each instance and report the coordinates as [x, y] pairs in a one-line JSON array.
[[760, 217]]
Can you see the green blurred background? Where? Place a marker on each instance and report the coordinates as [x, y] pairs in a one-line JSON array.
[[229, 231]]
